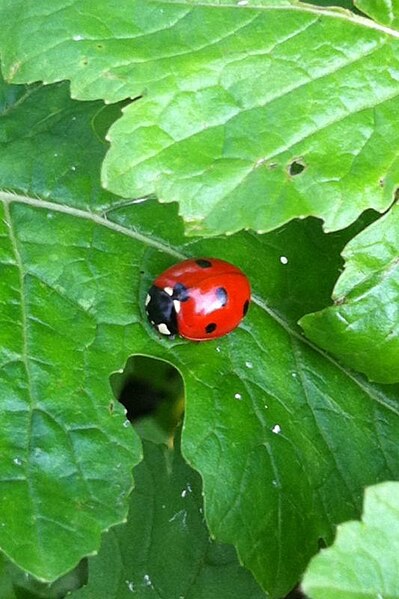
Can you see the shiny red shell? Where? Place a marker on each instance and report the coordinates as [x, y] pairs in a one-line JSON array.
[[210, 297]]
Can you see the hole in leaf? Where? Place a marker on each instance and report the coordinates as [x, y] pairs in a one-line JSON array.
[[152, 393], [296, 168]]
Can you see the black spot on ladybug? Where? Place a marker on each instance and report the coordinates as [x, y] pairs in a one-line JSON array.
[[180, 292], [203, 263], [222, 296], [161, 311], [210, 327], [245, 307]]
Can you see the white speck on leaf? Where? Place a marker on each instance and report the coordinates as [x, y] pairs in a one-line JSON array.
[[249, 364], [130, 585], [17, 461], [126, 424], [78, 38], [147, 580], [276, 429], [238, 396], [188, 489], [283, 259], [242, 2]]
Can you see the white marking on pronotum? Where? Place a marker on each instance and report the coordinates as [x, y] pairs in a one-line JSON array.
[[168, 290], [147, 299], [162, 328], [176, 304]]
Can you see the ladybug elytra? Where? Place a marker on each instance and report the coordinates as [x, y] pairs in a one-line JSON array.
[[198, 299]]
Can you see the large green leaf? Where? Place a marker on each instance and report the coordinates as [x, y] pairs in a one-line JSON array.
[[248, 118], [66, 454], [284, 438], [362, 328], [364, 560], [164, 550]]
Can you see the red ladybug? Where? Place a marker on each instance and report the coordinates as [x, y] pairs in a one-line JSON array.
[[198, 299]]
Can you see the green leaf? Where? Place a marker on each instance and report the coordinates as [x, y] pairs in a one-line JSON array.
[[6, 587], [267, 414], [27, 587], [362, 328], [364, 560], [386, 12], [173, 555], [66, 454], [249, 116]]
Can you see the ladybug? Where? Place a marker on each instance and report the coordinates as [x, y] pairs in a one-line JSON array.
[[198, 299]]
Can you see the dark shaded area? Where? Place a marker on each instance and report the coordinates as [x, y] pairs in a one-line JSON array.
[[150, 388], [296, 594], [331, 3], [26, 586], [296, 168], [140, 398]]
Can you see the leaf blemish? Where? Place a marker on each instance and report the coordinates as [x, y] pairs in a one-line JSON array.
[[296, 167]]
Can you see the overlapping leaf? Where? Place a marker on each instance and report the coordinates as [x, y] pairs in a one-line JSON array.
[[386, 12], [249, 116], [362, 328], [364, 560], [164, 550], [267, 415]]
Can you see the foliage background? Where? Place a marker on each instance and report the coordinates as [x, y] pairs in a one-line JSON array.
[[239, 119]]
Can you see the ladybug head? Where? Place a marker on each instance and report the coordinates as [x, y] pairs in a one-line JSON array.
[[161, 311], [163, 305]]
